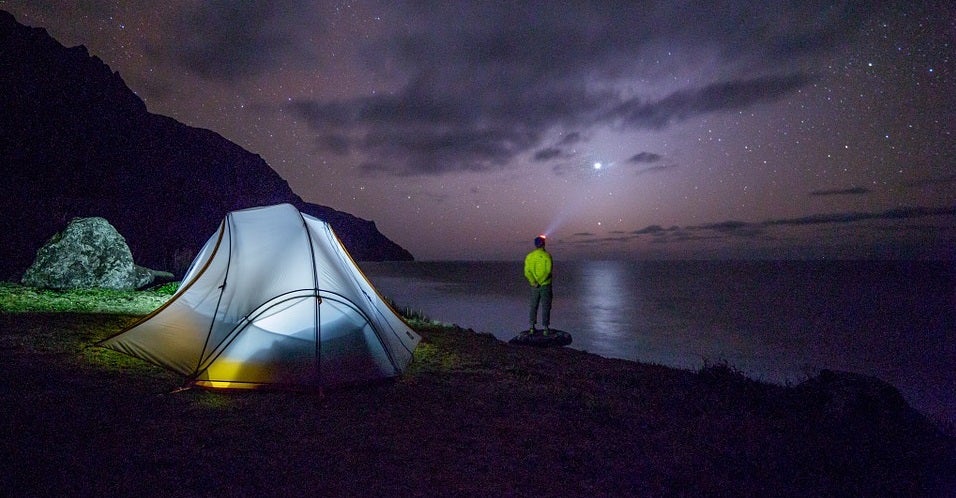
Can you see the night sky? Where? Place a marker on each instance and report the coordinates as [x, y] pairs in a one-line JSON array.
[[660, 129]]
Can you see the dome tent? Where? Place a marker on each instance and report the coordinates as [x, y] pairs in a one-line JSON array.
[[273, 299]]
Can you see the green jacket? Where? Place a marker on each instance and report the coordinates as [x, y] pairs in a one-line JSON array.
[[537, 267]]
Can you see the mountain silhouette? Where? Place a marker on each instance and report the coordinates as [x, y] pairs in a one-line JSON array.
[[76, 141]]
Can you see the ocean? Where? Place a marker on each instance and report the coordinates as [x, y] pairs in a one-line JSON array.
[[776, 321]]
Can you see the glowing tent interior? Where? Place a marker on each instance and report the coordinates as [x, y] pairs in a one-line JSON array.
[[273, 299]]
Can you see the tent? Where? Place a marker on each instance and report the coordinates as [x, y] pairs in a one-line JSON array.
[[273, 299]]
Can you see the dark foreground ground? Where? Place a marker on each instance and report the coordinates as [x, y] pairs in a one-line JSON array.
[[473, 417]]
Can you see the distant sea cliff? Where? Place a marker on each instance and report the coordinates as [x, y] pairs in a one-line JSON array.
[[76, 141]]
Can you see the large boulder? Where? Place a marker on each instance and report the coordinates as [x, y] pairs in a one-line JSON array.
[[88, 253]]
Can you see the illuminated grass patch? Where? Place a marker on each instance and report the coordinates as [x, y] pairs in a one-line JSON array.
[[16, 298], [430, 358]]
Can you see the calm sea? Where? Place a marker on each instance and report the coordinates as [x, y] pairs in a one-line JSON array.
[[775, 321]]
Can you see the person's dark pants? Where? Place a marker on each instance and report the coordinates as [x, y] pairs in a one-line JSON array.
[[541, 295]]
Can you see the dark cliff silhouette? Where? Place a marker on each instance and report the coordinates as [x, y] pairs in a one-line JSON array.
[[76, 141]]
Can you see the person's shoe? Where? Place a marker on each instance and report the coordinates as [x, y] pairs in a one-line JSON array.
[[532, 331], [547, 331]]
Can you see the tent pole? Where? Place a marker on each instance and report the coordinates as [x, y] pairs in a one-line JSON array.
[[318, 302], [318, 340]]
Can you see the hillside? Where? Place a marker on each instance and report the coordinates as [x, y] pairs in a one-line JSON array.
[[76, 141]]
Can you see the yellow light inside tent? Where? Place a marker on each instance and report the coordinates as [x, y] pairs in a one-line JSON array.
[[251, 373]]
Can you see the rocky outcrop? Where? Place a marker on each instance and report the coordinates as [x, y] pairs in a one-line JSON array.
[[89, 253], [846, 394], [75, 141]]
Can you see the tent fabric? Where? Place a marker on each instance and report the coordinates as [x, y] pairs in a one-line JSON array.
[[273, 299]]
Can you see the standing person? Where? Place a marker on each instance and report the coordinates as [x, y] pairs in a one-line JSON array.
[[537, 269]]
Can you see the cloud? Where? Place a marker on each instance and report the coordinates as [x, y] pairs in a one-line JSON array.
[[764, 231], [749, 229], [549, 153], [572, 168], [645, 157], [653, 230], [725, 226], [559, 151], [434, 134], [536, 40], [746, 229], [722, 96], [846, 191], [733, 229], [892, 214], [653, 169], [474, 94], [417, 132], [570, 139], [649, 158], [335, 143], [226, 40]]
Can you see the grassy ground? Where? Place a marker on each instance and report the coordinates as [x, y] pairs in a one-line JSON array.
[[18, 298], [472, 417]]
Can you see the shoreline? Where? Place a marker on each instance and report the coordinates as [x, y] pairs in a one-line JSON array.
[[779, 321]]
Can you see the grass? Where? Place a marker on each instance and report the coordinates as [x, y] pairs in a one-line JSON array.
[[472, 416], [16, 298]]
